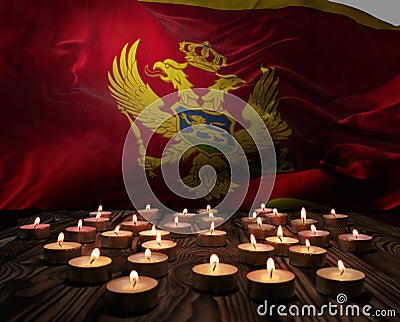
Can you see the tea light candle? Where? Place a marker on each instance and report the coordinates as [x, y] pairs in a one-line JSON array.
[[149, 213], [167, 247], [355, 242], [90, 269], [103, 214], [263, 210], [135, 225], [335, 220], [205, 212], [35, 230], [81, 234], [132, 294], [303, 223], [178, 227], [254, 253], [316, 237], [61, 252], [205, 222], [147, 235], [260, 230], [281, 243], [101, 224], [252, 219], [116, 239], [332, 281], [149, 264], [186, 216], [307, 256], [276, 218], [214, 277], [271, 284], [211, 238]]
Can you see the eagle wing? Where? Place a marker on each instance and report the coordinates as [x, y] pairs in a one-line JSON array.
[[135, 98]]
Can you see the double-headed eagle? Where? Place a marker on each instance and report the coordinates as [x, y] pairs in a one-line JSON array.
[[135, 98]]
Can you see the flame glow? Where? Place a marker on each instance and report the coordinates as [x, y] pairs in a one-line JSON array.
[[214, 261], [212, 227], [341, 267], [275, 211], [37, 221], [176, 220], [303, 215], [253, 240], [79, 224], [333, 212], [185, 211], [134, 219], [116, 230], [208, 208], [263, 206], [210, 215], [270, 266], [148, 207], [254, 215], [134, 277], [100, 208], [98, 215], [147, 253], [308, 244], [259, 221], [153, 230], [60, 238], [314, 229], [355, 233], [158, 238], [94, 256], [279, 232]]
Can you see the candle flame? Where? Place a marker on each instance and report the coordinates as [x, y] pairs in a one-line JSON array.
[[37, 221], [314, 229], [116, 230], [279, 233], [153, 230], [308, 245], [158, 239], [212, 227], [341, 267], [79, 224], [355, 233], [210, 215], [98, 215], [60, 239], [263, 206], [253, 241], [333, 212], [185, 211], [214, 261], [275, 211], [134, 277], [100, 208], [147, 253], [176, 220], [254, 215], [259, 221], [208, 208], [94, 256], [303, 215], [134, 219], [270, 266], [148, 207]]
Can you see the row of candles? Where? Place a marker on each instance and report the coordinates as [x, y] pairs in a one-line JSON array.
[[128, 294]]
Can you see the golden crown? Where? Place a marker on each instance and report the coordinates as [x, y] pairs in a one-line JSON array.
[[202, 56]]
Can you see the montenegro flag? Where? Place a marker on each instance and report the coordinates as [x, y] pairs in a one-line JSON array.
[[78, 76]]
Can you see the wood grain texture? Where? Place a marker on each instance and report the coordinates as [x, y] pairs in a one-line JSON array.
[[31, 290]]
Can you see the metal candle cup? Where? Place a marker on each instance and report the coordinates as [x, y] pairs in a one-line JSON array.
[[135, 227], [355, 244], [147, 235], [101, 224], [335, 220], [155, 265], [84, 234], [167, 247], [254, 254], [35, 230], [261, 231], [217, 238], [316, 237], [61, 252], [113, 239], [276, 218], [303, 256]]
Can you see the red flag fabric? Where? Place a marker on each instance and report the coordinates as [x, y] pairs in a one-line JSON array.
[[335, 72]]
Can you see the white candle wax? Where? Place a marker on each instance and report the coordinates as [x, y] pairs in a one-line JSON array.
[[167, 247], [189, 217], [80, 270], [156, 265], [147, 235], [298, 225], [256, 254], [101, 224], [217, 238], [360, 244], [135, 227], [330, 282], [39, 231], [178, 228], [103, 214], [222, 279], [307, 256], [120, 239], [86, 234], [276, 218], [60, 253], [149, 213], [282, 244], [261, 231], [205, 222], [337, 220], [317, 238]]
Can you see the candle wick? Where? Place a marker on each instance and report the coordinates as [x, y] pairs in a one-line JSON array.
[[214, 267], [34, 226], [280, 238], [302, 220], [259, 225], [115, 233], [270, 273], [148, 258], [92, 261], [79, 228], [254, 245], [159, 244], [133, 284], [315, 232], [341, 272], [134, 223], [308, 248], [59, 243]]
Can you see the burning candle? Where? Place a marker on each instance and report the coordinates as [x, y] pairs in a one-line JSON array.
[[263, 210], [303, 223], [151, 234], [98, 222], [90, 269], [131, 294], [214, 277], [167, 247], [252, 219], [276, 218], [270, 283], [178, 227], [186, 216], [355, 242], [61, 252], [35, 230], [254, 253], [281, 243], [206, 211], [332, 281], [149, 213], [116, 238], [205, 222], [316, 237], [211, 238], [307, 256], [81, 234], [149, 264], [135, 225], [335, 220], [260, 230], [103, 214]]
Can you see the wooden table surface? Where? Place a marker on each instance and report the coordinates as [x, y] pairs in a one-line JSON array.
[[30, 289]]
